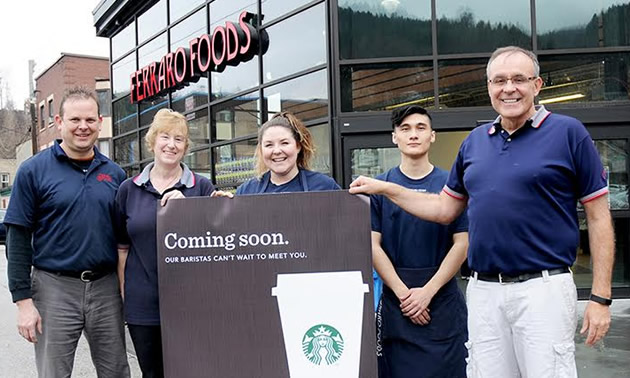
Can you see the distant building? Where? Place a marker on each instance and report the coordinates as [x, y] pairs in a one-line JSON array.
[[68, 71]]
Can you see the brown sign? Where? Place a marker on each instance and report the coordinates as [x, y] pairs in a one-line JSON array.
[[265, 285]]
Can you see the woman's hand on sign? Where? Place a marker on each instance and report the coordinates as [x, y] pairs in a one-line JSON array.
[[221, 193], [171, 194]]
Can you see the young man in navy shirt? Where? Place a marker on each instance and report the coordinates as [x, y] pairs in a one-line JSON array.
[[60, 225], [521, 177], [421, 318]]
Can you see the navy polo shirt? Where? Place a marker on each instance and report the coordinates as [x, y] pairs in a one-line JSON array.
[[69, 211], [522, 192], [305, 181], [137, 202], [409, 241]]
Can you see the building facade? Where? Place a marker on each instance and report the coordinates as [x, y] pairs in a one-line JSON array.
[[68, 71], [343, 65]]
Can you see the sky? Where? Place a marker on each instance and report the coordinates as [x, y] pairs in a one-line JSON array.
[[41, 30]]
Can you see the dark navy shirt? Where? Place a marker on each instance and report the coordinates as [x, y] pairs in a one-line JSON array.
[[137, 203], [69, 211], [305, 181], [409, 241], [522, 192]]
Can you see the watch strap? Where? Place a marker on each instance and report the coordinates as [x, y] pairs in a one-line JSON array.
[[600, 300]]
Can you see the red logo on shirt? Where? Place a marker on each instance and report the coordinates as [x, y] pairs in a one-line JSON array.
[[104, 177]]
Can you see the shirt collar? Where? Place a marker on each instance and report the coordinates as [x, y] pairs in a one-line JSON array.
[[536, 121], [188, 178], [58, 152]]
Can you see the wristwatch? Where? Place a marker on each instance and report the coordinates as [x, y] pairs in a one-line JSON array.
[[600, 300]]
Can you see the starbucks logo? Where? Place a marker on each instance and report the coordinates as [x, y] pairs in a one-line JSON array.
[[322, 345]]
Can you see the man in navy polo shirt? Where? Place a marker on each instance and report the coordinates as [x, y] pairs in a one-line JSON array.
[[521, 177], [421, 319], [60, 225]]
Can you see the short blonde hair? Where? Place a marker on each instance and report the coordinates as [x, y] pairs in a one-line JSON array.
[[166, 121], [300, 133]]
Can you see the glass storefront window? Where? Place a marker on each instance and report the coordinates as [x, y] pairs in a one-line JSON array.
[[235, 118], [306, 96], [178, 8], [229, 10], [462, 83], [195, 93], [144, 149], [152, 21], [199, 162], [198, 128], [148, 108], [272, 9], [124, 41], [372, 162], [384, 28], [584, 78], [121, 73], [234, 163], [564, 24], [385, 86], [152, 51], [234, 79], [289, 53], [125, 116], [321, 138], [582, 268], [482, 26], [126, 149], [614, 156]]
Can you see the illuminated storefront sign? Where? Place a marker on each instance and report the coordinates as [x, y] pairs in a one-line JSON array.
[[228, 45]]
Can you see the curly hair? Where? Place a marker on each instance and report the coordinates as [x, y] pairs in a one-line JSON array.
[[166, 120]]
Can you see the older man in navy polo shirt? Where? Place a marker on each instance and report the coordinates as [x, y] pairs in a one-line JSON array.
[[521, 177], [60, 225]]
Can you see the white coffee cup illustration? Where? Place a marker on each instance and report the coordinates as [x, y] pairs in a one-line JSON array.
[[322, 318]]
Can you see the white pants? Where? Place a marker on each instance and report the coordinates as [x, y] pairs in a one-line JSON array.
[[522, 329]]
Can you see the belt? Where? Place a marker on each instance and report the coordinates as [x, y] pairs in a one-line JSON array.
[[503, 278], [83, 275]]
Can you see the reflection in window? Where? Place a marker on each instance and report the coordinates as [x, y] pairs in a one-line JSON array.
[[272, 9], [191, 27], [584, 78], [125, 116], [562, 24], [144, 148], [178, 8], [385, 86], [236, 117], [285, 56], [222, 11], [148, 108], [124, 41], [104, 101], [152, 21], [321, 138], [199, 162], [234, 163], [306, 97], [463, 83], [152, 51], [384, 28], [614, 156], [121, 72], [198, 128], [486, 25], [582, 269], [195, 93], [234, 79], [373, 161], [126, 149]]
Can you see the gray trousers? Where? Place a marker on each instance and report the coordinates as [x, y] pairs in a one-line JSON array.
[[68, 307]]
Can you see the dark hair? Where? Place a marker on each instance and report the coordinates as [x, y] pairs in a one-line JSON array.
[[78, 93], [399, 114], [300, 133]]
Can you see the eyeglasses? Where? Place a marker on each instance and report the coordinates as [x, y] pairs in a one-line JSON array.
[[501, 81]]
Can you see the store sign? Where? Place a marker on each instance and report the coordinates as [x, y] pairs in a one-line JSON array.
[[228, 45]]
